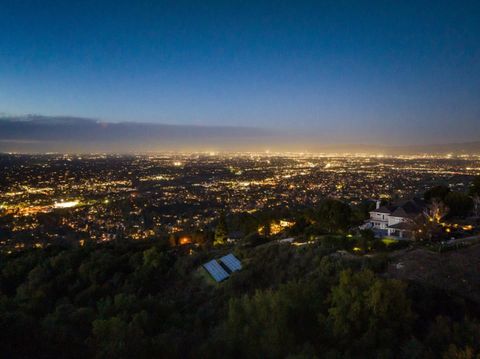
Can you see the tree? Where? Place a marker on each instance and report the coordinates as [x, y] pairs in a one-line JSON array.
[[267, 228], [155, 259], [412, 349], [460, 204], [437, 192], [475, 187], [454, 352], [425, 227], [449, 339], [252, 239], [368, 313], [334, 216], [366, 240], [116, 338], [301, 223], [172, 240], [428, 226], [476, 205], [436, 211], [361, 212], [271, 324], [220, 232]]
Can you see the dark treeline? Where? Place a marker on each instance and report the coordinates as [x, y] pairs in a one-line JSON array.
[[147, 300], [457, 204]]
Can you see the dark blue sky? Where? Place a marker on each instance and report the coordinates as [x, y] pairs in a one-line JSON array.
[[351, 71]]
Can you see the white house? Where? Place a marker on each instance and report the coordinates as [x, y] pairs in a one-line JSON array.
[[395, 220]]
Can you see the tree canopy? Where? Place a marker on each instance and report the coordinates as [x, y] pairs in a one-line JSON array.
[[148, 300], [438, 192]]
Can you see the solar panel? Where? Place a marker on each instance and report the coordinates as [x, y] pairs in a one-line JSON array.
[[215, 270], [231, 262]]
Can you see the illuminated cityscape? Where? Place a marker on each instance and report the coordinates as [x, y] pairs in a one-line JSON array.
[[104, 197]]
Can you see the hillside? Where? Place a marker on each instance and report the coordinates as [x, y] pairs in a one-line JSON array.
[[454, 271], [146, 300]]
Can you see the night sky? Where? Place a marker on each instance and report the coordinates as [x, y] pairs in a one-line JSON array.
[[386, 72]]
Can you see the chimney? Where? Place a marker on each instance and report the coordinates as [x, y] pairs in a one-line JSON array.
[[378, 203]]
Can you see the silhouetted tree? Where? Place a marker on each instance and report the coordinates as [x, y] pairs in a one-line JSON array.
[[367, 313], [435, 211], [220, 231], [460, 204], [334, 216], [437, 192], [476, 205], [475, 187]]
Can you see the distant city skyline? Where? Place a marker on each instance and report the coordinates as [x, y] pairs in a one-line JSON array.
[[300, 73]]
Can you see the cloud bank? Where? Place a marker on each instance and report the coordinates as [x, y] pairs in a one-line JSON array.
[[40, 134], [72, 134]]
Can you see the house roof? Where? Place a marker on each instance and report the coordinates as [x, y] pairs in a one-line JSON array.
[[383, 209], [407, 209], [399, 212], [387, 208]]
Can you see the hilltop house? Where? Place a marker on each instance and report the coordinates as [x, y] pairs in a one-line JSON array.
[[395, 220]]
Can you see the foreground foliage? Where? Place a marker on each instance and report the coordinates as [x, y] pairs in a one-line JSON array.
[[139, 300]]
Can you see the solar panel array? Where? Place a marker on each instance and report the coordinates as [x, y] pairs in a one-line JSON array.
[[221, 270], [231, 262], [215, 270]]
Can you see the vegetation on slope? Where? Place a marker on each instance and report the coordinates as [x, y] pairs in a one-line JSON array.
[[146, 300]]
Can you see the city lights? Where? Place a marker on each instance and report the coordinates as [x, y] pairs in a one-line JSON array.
[[139, 196], [67, 204]]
